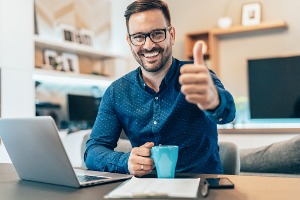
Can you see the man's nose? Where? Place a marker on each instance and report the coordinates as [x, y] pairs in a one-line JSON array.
[[148, 43]]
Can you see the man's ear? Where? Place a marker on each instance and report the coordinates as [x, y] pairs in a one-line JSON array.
[[172, 34], [128, 40]]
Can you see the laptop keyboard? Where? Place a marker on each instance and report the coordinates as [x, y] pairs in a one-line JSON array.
[[86, 178]]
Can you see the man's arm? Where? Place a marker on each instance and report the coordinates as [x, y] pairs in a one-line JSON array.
[[202, 87], [100, 154], [225, 111]]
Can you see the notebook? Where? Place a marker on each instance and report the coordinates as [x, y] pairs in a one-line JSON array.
[[37, 153]]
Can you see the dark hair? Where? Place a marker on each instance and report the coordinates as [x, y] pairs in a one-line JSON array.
[[144, 5]]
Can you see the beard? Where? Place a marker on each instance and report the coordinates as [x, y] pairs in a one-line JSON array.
[[159, 64]]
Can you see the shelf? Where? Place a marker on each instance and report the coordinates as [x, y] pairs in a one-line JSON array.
[[213, 36], [70, 78], [241, 29], [74, 48]]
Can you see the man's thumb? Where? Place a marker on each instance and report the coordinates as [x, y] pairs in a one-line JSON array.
[[148, 145], [198, 52]]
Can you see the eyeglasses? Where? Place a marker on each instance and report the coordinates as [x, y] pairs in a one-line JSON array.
[[155, 36]]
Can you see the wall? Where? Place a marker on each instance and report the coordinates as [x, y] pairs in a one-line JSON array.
[[196, 15], [118, 31], [1, 47], [17, 90]]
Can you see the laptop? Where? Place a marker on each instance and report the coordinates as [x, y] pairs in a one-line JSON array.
[[37, 153]]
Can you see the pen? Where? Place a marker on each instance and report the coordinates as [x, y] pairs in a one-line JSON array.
[[205, 189]]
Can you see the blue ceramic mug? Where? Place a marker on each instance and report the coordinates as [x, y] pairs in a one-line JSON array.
[[165, 160]]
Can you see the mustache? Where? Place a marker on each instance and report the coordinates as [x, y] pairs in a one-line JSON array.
[[143, 51]]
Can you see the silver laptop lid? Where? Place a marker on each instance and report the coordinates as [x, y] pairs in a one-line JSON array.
[[36, 150], [38, 154]]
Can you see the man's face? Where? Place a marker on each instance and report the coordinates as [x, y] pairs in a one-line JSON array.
[[151, 56]]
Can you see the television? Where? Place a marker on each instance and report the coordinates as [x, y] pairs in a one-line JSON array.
[[274, 88], [83, 108]]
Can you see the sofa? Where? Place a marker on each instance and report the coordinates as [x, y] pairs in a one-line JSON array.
[[277, 159]]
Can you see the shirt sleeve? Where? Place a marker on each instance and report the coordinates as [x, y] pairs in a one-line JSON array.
[[100, 154], [225, 112]]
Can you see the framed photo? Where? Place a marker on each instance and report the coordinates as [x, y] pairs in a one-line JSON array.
[[78, 37], [86, 36], [70, 62], [50, 59], [251, 14], [68, 32]]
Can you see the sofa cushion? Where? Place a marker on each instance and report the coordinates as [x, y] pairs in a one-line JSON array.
[[280, 157]]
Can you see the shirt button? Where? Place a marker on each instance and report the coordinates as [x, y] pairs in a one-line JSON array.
[[155, 122], [220, 119], [156, 98]]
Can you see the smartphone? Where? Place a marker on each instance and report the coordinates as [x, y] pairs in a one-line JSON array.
[[219, 183]]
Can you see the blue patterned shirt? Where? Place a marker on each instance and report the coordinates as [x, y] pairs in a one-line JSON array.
[[164, 118]]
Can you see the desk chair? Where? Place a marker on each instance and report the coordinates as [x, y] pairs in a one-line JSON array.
[[230, 157], [229, 153]]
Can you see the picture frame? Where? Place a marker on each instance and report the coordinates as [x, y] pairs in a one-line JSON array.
[[251, 13], [50, 59], [78, 37], [70, 62], [87, 37], [67, 32]]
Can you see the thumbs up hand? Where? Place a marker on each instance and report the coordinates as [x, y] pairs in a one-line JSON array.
[[196, 82]]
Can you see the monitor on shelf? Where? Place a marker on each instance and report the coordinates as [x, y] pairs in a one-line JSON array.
[[83, 108], [274, 88]]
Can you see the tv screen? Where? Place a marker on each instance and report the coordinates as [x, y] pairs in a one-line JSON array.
[[83, 108], [274, 88]]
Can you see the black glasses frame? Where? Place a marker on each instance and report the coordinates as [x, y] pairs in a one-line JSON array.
[[149, 35]]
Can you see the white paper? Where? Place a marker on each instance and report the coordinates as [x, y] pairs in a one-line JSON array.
[[154, 187]]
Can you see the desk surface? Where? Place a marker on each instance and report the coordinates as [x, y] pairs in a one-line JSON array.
[[246, 187]]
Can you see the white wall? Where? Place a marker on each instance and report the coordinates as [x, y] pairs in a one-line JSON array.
[[119, 31], [17, 89], [1, 51]]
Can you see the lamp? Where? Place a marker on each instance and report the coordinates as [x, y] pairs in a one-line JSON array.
[[225, 21]]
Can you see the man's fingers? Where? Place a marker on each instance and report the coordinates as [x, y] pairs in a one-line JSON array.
[[141, 160], [190, 68], [141, 151], [193, 89], [142, 167], [193, 79], [198, 52]]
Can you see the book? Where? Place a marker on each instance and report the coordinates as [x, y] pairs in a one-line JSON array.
[[156, 188]]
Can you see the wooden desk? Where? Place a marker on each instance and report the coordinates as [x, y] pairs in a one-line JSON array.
[[246, 187]]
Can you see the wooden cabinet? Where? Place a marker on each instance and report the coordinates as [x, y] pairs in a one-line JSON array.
[[212, 37], [191, 39]]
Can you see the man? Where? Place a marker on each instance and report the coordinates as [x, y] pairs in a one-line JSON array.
[[164, 101]]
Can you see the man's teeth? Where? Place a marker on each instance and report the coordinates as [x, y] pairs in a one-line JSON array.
[[149, 55]]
